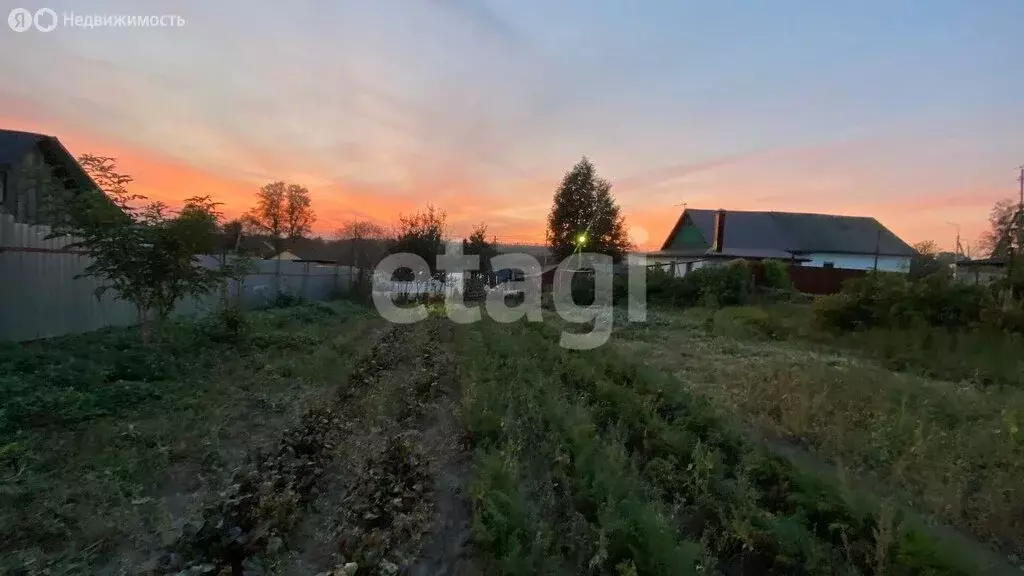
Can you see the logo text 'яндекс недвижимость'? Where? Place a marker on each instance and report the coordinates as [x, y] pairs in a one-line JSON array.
[[47, 20]]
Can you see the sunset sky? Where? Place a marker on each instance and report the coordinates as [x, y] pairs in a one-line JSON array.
[[910, 111]]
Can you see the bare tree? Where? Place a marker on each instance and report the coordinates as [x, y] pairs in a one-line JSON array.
[[366, 245]]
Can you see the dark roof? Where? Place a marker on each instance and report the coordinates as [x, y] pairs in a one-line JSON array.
[[996, 261], [755, 254], [15, 145], [797, 233], [538, 251]]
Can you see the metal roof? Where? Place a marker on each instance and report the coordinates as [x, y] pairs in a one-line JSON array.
[[15, 145], [798, 233]]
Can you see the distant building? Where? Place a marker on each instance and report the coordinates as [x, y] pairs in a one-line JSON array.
[[981, 270], [706, 237]]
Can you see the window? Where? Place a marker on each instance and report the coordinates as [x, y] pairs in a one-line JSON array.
[[829, 265], [3, 186]]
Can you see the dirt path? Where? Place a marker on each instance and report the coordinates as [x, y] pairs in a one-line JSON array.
[[371, 481], [394, 501]]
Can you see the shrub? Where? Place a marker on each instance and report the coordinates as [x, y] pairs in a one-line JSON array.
[[583, 289], [475, 291], [285, 300], [227, 324], [873, 300], [728, 285], [889, 300], [714, 286], [776, 275], [664, 288]]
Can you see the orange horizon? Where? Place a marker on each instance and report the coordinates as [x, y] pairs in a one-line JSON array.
[[163, 178]]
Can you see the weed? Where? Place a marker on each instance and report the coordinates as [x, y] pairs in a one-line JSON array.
[[106, 442]]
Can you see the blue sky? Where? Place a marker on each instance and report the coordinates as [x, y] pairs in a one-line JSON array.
[[912, 112]]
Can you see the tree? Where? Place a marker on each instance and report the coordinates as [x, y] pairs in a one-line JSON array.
[[365, 240], [229, 243], [478, 244], [925, 261], [232, 233], [284, 212], [422, 234], [1005, 233], [141, 251], [584, 216]]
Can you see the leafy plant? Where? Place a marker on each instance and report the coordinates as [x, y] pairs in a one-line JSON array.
[[145, 254], [422, 234]]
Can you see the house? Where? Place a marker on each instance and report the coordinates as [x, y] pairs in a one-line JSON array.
[[981, 270], [34, 170], [706, 237], [360, 252], [328, 257], [540, 252]]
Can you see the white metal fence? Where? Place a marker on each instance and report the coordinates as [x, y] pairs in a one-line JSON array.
[[40, 296], [450, 286]]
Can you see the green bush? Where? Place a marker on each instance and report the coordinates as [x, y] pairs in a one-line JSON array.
[[729, 285], [714, 286], [890, 300], [776, 275], [663, 288], [583, 289], [227, 324]]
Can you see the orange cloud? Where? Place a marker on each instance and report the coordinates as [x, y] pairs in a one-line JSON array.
[[515, 209]]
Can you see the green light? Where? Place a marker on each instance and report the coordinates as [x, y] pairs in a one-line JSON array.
[[581, 239]]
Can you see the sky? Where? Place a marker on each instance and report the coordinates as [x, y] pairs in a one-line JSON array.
[[911, 112]]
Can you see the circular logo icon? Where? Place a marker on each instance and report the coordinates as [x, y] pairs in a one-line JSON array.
[[20, 20], [45, 20]]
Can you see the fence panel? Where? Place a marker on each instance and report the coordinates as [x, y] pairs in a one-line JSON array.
[[812, 280], [41, 297]]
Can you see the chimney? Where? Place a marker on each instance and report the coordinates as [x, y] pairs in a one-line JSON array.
[[719, 239]]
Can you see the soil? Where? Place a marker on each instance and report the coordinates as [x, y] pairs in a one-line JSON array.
[[372, 480]]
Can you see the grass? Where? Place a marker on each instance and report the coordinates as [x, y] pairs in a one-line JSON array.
[[656, 454], [591, 462], [951, 449], [107, 448]]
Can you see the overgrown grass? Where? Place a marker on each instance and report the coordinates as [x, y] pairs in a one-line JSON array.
[[587, 462], [981, 356], [550, 494], [953, 449], [106, 446]]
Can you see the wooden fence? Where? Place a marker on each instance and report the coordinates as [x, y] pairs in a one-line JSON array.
[[40, 296], [813, 280]]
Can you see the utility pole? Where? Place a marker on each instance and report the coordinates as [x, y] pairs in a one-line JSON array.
[[1016, 232], [878, 245], [1020, 206], [956, 248]]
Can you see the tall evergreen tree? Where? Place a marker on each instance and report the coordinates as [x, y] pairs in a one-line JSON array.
[[584, 215]]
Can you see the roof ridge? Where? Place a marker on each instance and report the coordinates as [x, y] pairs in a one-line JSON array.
[[25, 133], [773, 212]]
